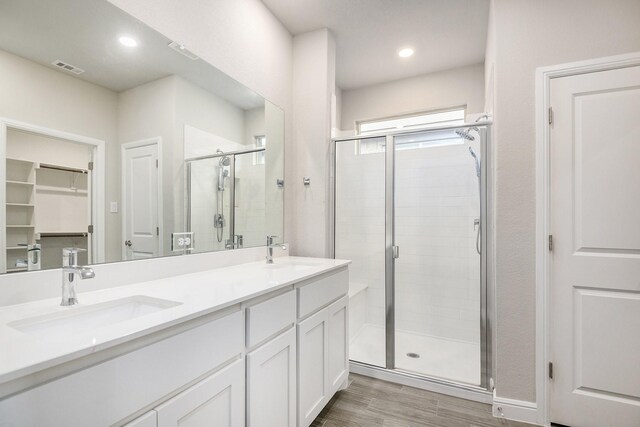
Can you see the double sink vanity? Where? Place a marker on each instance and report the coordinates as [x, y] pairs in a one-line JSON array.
[[252, 344], [161, 160]]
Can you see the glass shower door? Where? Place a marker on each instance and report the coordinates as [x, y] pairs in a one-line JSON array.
[[360, 237], [437, 269], [209, 203], [249, 201]]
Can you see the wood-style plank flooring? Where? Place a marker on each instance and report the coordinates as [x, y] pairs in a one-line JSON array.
[[370, 402]]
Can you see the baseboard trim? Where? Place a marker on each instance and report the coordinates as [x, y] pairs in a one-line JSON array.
[[516, 410]]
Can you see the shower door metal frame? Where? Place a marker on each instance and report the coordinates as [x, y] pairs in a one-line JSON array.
[[389, 263], [487, 294]]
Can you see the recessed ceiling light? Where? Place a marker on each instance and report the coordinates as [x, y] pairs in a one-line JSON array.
[[405, 53], [128, 41]]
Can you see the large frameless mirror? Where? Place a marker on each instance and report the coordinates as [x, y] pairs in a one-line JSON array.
[[119, 141]]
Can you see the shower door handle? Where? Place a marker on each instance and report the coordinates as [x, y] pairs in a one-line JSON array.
[[396, 252]]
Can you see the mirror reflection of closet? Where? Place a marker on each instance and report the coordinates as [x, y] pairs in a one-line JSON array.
[[48, 200]]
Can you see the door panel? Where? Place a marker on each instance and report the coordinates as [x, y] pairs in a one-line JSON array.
[[360, 236], [150, 419], [141, 202], [249, 200], [437, 273], [313, 365], [338, 343], [272, 383], [602, 164], [215, 401], [595, 292]]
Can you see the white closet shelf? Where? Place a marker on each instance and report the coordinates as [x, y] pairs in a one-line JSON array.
[[30, 184], [16, 269], [23, 205], [11, 159], [16, 248], [20, 226]]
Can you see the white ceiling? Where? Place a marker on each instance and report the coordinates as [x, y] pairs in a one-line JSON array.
[[84, 33], [444, 33]]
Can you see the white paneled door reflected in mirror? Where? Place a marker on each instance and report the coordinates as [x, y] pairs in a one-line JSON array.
[[122, 142]]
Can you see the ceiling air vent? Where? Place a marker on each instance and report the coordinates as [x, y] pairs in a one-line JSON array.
[[183, 50], [67, 67]]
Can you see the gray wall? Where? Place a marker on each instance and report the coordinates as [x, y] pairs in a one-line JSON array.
[[32, 93], [530, 34], [445, 89], [313, 86]]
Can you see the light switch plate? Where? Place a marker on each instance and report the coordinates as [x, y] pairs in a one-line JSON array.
[[113, 208]]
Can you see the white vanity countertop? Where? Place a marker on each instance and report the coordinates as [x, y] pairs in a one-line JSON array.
[[199, 294]]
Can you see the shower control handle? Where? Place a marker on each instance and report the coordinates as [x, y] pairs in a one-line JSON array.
[[396, 252]]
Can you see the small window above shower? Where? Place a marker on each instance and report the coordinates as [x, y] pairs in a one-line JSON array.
[[414, 122], [418, 121], [260, 142]]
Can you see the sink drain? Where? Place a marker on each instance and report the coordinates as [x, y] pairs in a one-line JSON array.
[[413, 355]]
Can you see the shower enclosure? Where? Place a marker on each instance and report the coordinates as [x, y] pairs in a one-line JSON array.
[[226, 200], [410, 212]]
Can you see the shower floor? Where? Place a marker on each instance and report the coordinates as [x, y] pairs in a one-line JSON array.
[[453, 360]]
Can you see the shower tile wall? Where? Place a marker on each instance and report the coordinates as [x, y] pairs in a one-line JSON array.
[[360, 231], [250, 201], [437, 274], [204, 198]]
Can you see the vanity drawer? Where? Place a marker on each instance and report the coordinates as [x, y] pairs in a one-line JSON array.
[[270, 317], [113, 390], [319, 292]]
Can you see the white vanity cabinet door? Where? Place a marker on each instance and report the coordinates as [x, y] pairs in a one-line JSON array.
[[150, 419], [338, 344], [271, 383], [313, 365], [218, 400]]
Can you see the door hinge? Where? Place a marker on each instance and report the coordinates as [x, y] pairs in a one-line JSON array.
[[550, 370], [157, 231], [396, 252], [550, 115], [90, 166], [90, 229], [156, 163], [550, 242]]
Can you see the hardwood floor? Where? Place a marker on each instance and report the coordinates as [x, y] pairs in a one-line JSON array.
[[370, 402]]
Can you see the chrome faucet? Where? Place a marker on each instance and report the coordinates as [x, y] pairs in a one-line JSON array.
[[270, 246], [70, 272]]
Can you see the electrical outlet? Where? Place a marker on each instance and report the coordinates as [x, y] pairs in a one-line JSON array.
[[182, 242]]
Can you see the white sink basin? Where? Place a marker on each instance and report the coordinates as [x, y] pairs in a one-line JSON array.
[[76, 320]]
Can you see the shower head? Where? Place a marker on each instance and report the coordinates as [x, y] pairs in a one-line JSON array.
[[466, 133], [224, 160]]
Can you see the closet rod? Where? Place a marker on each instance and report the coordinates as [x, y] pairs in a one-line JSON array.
[[62, 168], [80, 234]]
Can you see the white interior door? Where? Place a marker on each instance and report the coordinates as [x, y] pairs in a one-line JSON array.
[[595, 267], [140, 202]]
